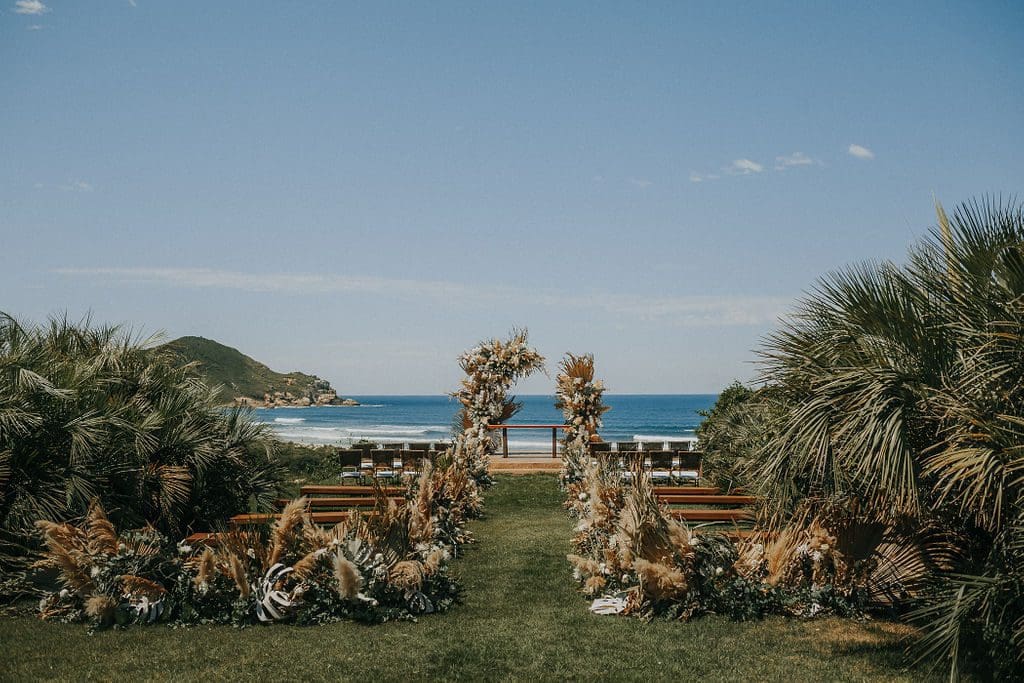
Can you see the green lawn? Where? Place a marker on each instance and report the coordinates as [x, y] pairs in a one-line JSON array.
[[521, 619]]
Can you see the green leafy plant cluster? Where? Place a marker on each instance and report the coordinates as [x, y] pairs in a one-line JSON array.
[[893, 416], [91, 413]]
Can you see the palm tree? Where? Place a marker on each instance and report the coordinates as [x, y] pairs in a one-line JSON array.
[[93, 413], [903, 389]]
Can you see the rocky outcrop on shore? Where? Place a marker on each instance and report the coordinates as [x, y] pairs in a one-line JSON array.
[[317, 395]]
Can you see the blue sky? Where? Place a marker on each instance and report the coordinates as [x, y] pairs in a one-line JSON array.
[[362, 191]]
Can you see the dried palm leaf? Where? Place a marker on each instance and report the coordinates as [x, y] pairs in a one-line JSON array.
[[138, 586]]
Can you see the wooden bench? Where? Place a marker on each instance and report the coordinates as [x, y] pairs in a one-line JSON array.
[[322, 518], [332, 490], [339, 502], [692, 515], [710, 499], [706, 499], [688, 490], [201, 538]]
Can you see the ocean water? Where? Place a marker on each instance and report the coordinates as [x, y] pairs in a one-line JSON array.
[[429, 418]]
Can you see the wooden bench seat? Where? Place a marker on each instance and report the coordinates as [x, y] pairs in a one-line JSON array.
[[686, 490], [706, 499], [340, 490], [338, 502], [201, 538], [732, 515], [328, 517]]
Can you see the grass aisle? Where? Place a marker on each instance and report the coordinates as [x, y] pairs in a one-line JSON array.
[[521, 619]]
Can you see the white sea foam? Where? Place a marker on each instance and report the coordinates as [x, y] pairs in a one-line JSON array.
[[289, 420], [361, 405], [350, 434], [395, 429]]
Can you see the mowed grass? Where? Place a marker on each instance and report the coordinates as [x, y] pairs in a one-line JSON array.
[[521, 619]]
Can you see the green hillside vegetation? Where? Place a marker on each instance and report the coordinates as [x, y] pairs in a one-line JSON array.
[[238, 373]]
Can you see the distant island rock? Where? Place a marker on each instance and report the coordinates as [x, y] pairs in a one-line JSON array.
[[250, 382]]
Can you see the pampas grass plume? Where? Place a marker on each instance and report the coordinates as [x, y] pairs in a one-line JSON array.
[[284, 528], [206, 570], [349, 581], [660, 581], [238, 574], [100, 532], [101, 607], [407, 574]]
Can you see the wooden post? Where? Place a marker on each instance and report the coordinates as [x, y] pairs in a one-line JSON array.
[[504, 439], [554, 442]]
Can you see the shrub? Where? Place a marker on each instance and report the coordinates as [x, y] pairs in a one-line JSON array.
[[90, 413], [903, 406]]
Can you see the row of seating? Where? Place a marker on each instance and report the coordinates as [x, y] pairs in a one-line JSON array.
[[407, 446], [328, 504], [662, 466], [382, 464], [634, 446], [730, 513]]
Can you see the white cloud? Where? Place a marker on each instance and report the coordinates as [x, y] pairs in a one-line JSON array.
[[78, 186], [640, 182], [30, 7], [680, 311], [744, 167], [748, 166], [794, 159], [860, 152]]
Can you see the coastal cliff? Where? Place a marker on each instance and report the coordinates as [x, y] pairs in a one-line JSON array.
[[246, 381]]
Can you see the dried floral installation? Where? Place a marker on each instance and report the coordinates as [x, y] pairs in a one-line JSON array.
[[632, 557], [389, 565], [492, 367], [580, 398]]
